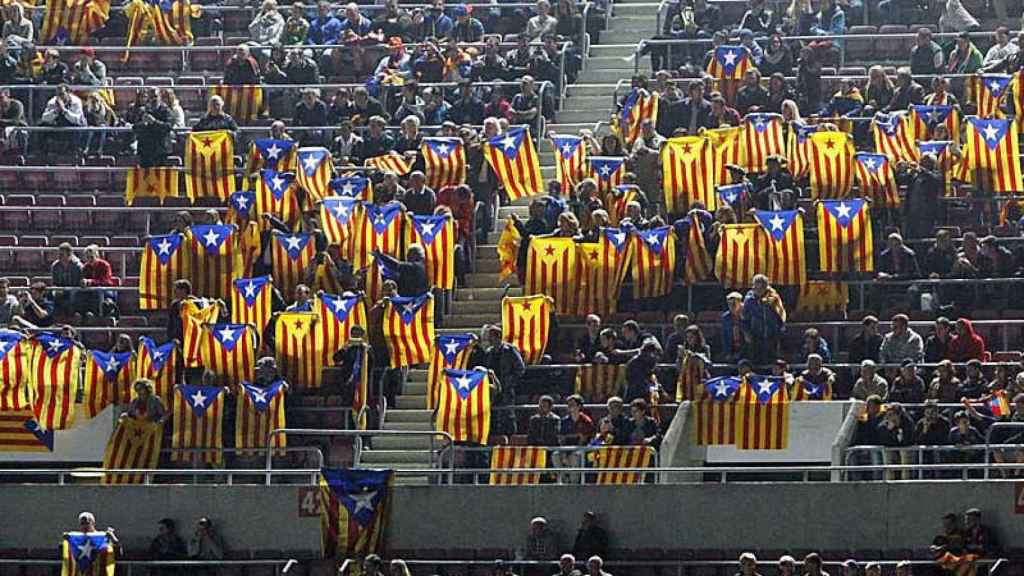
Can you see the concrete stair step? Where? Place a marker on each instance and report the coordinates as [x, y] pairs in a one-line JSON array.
[[414, 388], [409, 416], [647, 9], [607, 63], [471, 322], [408, 426], [590, 102], [395, 458], [404, 443], [487, 294], [595, 89], [609, 49], [584, 116], [484, 280], [486, 252], [603, 76], [475, 307], [417, 375], [409, 401], [487, 265], [522, 211]]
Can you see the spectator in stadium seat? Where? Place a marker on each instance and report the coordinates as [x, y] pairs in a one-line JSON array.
[[939, 260], [640, 376], [591, 538], [907, 387], [411, 273], [347, 146], [908, 91], [691, 113], [879, 90], [808, 79], [966, 343], [870, 383], [66, 272], [87, 70], [167, 545], [815, 343], [866, 433], [978, 538], [747, 561], [34, 307], [577, 428], [813, 564], [816, 379], [299, 68], [149, 100], [897, 261], [397, 63], [377, 141], [974, 384], [54, 72], [901, 342], [896, 430], [526, 104], [945, 386], [325, 28], [999, 54], [617, 416], [846, 102], [96, 272], [787, 565], [507, 369], [595, 567], [310, 110], [542, 23], [87, 523], [931, 430], [63, 110], [182, 292], [778, 59], [241, 68], [676, 339], [940, 95], [296, 27], [952, 540], [965, 57], [146, 405], [588, 342], [17, 28], [8, 65], [567, 566], [641, 429], [995, 261], [468, 108], [926, 57], [352, 354], [419, 198], [541, 540], [543, 427], [9, 303], [302, 301], [763, 320], [733, 343], [467, 28], [341, 107], [216, 118], [12, 115], [97, 115], [751, 96], [152, 140], [758, 18], [206, 544], [964, 434], [267, 26], [176, 112], [867, 343]]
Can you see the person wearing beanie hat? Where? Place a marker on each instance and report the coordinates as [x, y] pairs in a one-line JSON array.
[[467, 28]]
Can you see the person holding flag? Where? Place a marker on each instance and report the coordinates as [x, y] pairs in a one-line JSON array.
[[89, 551], [410, 274], [146, 405]]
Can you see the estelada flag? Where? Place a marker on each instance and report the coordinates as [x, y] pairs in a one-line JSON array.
[[338, 314], [259, 410], [19, 432], [698, 265], [209, 165], [654, 262], [215, 260], [71, 22], [376, 228], [992, 151], [353, 510], [197, 416], [602, 270], [688, 168], [729, 63], [508, 249], [243, 102], [444, 162], [157, 182], [276, 194], [844, 236], [988, 91], [735, 196], [315, 170], [784, 248], [831, 167], [290, 255], [157, 363], [798, 151], [298, 348], [164, 261], [229, 351], [464, 406], [165, 22], [87, 554], [715, 413], [607, 171], [638, 106], [451, 351], [361, 369], [271, 153], [926, 118], [599, 382], [617, 203], [241, 207], [742, 254], [727, 147], [392, 162], [762, 137], [570, 161], [804, 389], [436, 234], [1017, 97], [134, 445], [621, 457], [551, 270], [692, 373], [336, 217], [894, 136], [525, 323], [763, 418], [251, 301], [56, 373], [821, 297], [514, 160], [353, 186], [877, 179], [195, 312], [517, 458], [409, 329], [950, 162], [108, 380], [15, 361]]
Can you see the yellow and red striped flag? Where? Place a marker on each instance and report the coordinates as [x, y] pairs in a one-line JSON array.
[[525, 323], [988, 91], [229, 351], [299, 349], [315, 171], [607, 171], [821, 297], [804, 390], [513, 158], [164, 260], [599, 382], [1017, 97], [197, 416], [194, 313], [688, 166], [20, 432], [259, 410], [134, 445], [727, 148], [617, 203], [798, 151], [108, 380], [276, 194], [353, 186], [950, 162], [337, 316], [353, 511], [831, 168], [728, 64], [451, 351], [290, 255], [601, 271], [742, 254], [209, 165], [551, 270], [517, 458], [992, 151], [15, 362], [361, 370], [337, 216], [409, 329], [241, 208], [698, 266], [167, 23], [87, 554], [570, 161], [925, 119], [692, 373], [157, 182], [844, 236], [56, 375], [762, 421], [251, 301], [72, 22], [271, 153], [157, 363], [716, 412], [215, 260], [654, 262], [622, 457], [464, 406], [508, 249], [392, 162], [784, 246], [436, 234], [638, 106], [444, 161], [893, 136], [762, 137], [243, 102], [877, 179], [377, 228]]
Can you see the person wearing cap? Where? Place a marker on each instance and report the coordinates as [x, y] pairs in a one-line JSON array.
[[748, 565], [813, 565], [467, 28], [965, 57], [591, 538], [567, 566], [731, 328], [787, 565], [397, 63], [87, 70], [974, 385], [595, 566], [776, 188], [850, 568], [907, 387], [87, 523], [869, 383], [541, 541], [468, 108]]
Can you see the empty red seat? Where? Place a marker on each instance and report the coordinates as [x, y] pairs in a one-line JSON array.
[[9, 179], [67, 177], [206, 59], [30, 260], [6, 256], [109, 219], [17, 219], [47, 219], [58, 239], [78, 212], [98, 180], [101, 241]]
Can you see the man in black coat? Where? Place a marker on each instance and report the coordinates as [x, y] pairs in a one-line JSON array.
[[923, 206], [691, 113], [410, 274]]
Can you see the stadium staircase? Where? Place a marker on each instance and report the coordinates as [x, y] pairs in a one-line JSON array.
[[589, 101]]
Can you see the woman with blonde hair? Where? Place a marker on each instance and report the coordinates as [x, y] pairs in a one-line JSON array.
[[177, 118], [879, 90], [146, 405]]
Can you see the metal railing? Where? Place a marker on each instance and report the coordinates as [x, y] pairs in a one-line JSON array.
[[918, 454], [560, 459], [144, 567], [67, 476]]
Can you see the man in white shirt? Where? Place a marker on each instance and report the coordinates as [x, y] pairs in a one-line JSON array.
[[543, 22], [1002, 50], [63, 110]]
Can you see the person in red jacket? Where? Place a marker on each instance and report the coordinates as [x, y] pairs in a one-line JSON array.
[[967, 344], [96, 272]]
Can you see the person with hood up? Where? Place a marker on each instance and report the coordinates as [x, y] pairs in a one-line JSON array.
[[966, 343]]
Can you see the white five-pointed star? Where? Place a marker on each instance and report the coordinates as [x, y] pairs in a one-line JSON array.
[[508, 142], [759, 125], [379, 220], [157, 355], [731, 197], [620, 237], [3, 347], [54, 345], [250, 290], [347, 189], [566, 149], [776, 222], [730, 58], [605, 170], [994, 86], [164, 247], [242, 201], [764, 386], [843, 211], [273, 151], [259, 396], [277, 183], [463, 382], [227, 334], [341, 210], [309, 162], [210, 238], [443, 149], [653, 239], [112, 365], [427, 229], [871, 163], [363, 501], [451, 348], [198, 399], [85, 550], [293, 242], [991, 132], [933, 117], [721, 389], [409, 308], [340, 305]]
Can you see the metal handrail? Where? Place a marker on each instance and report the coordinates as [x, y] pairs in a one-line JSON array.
[[336, 6], [253, 46], [64, 474]]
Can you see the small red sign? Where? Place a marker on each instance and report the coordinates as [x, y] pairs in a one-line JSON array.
[[309, 501], [1018, 497]]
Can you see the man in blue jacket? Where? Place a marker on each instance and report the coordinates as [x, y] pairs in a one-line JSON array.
[[763, 320]]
